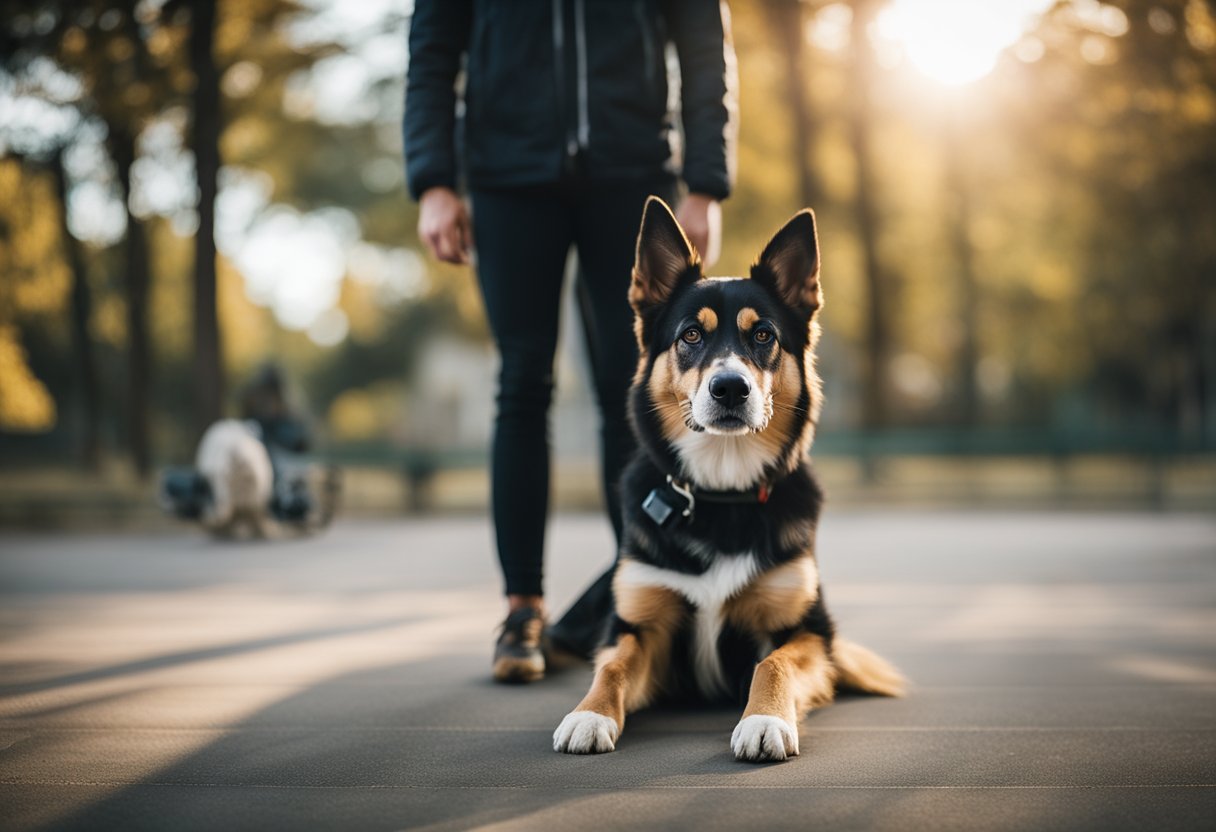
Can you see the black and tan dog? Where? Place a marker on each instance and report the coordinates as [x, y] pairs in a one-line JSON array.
[[717, 590]]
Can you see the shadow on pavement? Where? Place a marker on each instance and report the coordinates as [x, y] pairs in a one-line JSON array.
[[203, 654]]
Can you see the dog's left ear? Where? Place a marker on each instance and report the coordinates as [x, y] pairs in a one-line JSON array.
[[789, 265]]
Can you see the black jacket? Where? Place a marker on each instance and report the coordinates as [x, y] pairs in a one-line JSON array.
[[563, 85]]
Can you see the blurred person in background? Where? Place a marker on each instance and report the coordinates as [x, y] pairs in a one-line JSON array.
[[264, 401], [560, 130]]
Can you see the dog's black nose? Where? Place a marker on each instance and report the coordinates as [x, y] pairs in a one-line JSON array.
[[729, 388]]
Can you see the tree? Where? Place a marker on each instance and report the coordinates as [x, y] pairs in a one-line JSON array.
[[958, 218], [121, 143], [82, 310], [787, 24], [135, 63], [128, 72], [1123, 137], [860, 127], [205, 140], [35, 285]]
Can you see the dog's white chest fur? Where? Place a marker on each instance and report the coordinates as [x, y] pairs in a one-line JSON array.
[[723, 462], [708, 593]]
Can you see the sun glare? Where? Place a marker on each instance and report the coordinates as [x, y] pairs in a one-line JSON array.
[[956, 42]]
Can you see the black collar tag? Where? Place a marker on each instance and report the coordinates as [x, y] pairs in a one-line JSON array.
[[657, 508], [661, 504]]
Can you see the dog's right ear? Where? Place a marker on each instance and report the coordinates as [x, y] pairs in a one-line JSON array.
[[664, 258]]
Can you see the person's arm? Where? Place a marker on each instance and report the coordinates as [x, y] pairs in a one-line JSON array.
[[439, 36], [700, 30]]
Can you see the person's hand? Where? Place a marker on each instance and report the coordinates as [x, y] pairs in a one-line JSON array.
[[701, 218], [444, 226]]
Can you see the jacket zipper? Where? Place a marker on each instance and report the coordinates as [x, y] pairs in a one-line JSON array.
[[580, 45], [559, 62], [639, 12]]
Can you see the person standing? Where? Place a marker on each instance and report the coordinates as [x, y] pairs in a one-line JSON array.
[[555, 115]]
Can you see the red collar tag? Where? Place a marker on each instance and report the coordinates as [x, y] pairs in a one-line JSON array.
[[762, 496]]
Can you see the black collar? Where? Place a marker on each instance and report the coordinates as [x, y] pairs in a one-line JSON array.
[[759, 494], [678, 500]]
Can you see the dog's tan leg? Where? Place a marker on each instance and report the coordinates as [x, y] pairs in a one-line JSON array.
[[622, 675], [627, 673], [790, 681]]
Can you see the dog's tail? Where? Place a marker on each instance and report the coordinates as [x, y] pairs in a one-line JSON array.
[[861, 669]]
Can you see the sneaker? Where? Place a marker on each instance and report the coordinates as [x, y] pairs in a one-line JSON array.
[[517, 655]]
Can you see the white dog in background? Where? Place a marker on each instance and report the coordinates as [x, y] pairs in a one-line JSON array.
[[236, 465]]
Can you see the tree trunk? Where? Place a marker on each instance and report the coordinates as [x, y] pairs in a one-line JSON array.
[[959, 216], [139, 353], [205, 139], [877, 338], [82, 345], [786, 24]]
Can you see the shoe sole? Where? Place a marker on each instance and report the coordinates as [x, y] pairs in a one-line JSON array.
[[518, 671]]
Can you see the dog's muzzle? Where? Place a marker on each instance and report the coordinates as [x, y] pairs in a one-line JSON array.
[[727, 403]]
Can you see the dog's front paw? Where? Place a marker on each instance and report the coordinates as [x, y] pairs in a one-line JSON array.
[[759, 738], [586, 732]]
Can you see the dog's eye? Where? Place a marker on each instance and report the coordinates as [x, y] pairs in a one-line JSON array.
[[692, 335], [763, 336]]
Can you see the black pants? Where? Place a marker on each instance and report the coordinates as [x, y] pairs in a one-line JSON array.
[[523, 236]]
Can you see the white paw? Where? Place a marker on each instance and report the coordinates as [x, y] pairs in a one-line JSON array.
[[758, 738], [585, 732]]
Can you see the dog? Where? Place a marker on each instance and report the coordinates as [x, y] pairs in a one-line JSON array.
[[236, 467], [717, 594]]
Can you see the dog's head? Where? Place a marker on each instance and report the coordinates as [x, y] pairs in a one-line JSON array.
[[726, 390]]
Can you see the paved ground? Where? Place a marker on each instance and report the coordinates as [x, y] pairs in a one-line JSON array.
[[1064, 669]]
